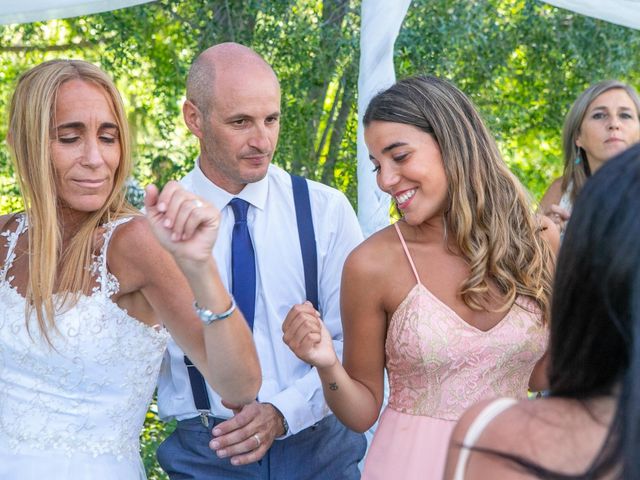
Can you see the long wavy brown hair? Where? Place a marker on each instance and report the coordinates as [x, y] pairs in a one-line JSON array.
[[488, 214], [31, 118]]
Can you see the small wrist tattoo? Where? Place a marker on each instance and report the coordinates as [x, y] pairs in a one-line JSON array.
[[333, 386]]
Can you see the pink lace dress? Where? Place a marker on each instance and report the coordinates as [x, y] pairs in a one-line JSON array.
[[438, 366]]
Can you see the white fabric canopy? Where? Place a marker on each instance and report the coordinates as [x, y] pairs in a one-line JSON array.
[[25, 11], [622, 12], [380, 24]]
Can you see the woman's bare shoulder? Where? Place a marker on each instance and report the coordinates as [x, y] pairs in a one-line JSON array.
[[131, 237], [470, 416], [501, 434], [524, 417], [134, 248], [539, 421], [375, 254], [560, 434]]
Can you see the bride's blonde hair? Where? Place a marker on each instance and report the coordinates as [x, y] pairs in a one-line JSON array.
[[31, 119], [488, 212]]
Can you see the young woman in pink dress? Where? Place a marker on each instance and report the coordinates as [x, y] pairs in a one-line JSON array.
[[451, 300]]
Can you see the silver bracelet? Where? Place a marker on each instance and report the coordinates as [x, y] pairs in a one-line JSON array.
[[208, 317]]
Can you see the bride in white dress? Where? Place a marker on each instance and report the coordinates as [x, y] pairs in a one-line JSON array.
[[87, 286]]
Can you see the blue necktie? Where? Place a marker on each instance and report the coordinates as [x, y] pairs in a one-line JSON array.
[[243, 262]]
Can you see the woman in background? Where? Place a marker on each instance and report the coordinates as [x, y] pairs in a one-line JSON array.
[[603, 121]]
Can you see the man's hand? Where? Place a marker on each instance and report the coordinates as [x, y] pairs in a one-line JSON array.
[[248, 435]]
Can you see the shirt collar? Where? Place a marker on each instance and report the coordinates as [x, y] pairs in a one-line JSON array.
[[255, 193]]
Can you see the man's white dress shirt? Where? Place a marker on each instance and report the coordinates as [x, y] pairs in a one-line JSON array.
[[291, 385]]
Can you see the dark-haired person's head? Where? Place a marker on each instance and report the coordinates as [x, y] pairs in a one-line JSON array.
[[595, 320], [596, 281]]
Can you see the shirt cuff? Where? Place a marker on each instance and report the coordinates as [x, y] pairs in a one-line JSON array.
[[298, 411]]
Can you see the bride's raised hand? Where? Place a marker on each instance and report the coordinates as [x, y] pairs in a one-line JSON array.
[[183, 223], [306, 335]]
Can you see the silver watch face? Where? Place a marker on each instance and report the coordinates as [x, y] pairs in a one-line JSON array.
[[208, 317]]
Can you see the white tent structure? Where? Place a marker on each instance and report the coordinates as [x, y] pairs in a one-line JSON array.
[[25, 11], [621, 12], [380, 24]]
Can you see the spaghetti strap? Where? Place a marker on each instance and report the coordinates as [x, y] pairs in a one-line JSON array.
[[406, 251], [483, 419]]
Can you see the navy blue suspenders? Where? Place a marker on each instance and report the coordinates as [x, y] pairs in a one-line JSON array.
[[199, 391], [307, 236]]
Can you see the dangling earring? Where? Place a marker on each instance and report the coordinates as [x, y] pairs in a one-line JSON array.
[[578, 157], [585, 163], [444, 224]]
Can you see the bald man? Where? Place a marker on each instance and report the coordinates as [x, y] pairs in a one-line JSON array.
[[233, 108]]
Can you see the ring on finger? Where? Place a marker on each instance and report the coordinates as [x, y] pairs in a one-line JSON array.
[[197, 203], [257, 439]]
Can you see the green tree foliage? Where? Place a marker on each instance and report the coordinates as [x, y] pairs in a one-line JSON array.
[[153, 433], [523, 63]]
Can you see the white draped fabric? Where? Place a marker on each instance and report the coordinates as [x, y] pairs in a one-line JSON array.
[[622, 12], [380, 24], [25, 11]]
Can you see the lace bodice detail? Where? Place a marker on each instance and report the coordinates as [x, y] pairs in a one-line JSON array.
[[90, 390], [439, 365]]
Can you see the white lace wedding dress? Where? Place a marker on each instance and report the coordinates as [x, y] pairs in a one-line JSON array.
[[74, 410]]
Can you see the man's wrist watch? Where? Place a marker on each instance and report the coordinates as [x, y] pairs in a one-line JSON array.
[[285, 425]]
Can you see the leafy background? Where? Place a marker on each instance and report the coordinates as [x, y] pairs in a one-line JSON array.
[[522, 62]]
